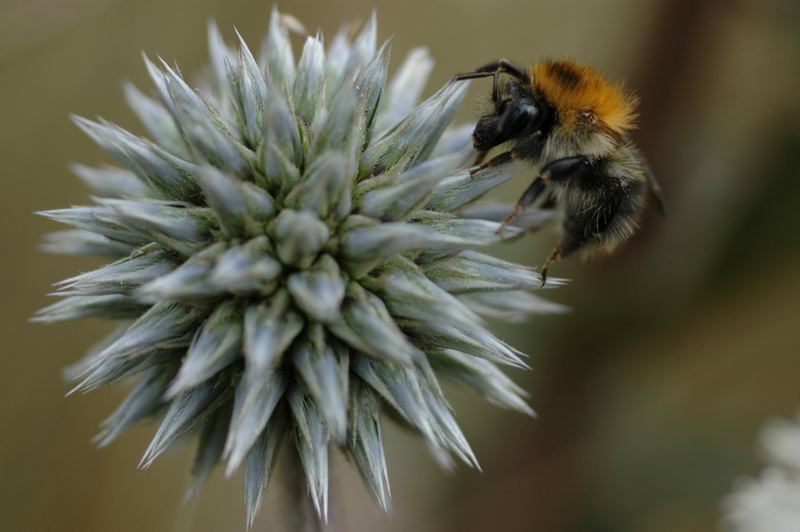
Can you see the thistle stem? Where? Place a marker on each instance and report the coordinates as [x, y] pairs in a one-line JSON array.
[[303, 516]]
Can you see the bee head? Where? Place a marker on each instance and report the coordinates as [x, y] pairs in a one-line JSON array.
[[583, 99]]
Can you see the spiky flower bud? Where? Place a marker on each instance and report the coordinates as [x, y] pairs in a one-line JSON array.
[[294, 249], [771, 501]]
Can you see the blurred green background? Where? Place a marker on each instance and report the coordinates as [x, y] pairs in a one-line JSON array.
[[649, 392]]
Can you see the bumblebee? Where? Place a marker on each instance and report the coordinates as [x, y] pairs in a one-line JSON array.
[[574, 125]]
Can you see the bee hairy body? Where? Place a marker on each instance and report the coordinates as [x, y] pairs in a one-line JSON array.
[[574, 126]]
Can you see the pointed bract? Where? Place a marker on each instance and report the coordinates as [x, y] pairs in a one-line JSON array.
[[404, 91], [256, 399], [209, 447], [80, 242], [215, 345], [320, 290], [277, 58], [324, 375], [269, 330], [311, 437], [181, 415], [260, 463], [309, 84], [365, 443]]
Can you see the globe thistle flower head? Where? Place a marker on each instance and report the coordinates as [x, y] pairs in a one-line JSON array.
[[295, 250]]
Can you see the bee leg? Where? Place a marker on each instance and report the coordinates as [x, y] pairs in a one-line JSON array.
[[480, 157], [554, 256], [476, 75], [528, 197], [496, 67], [505, 157], [549, 202], [493, 69], [473, 75], [562, 169]]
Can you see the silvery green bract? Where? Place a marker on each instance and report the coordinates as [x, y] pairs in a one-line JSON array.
[[293, 251]]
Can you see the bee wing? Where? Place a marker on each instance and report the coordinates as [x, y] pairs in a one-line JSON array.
[[654, 189]]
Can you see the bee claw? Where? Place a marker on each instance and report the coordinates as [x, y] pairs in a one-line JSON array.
[[555, 255], [508, 219]]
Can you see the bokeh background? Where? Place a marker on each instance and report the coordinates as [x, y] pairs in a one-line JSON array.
[[649, 392]]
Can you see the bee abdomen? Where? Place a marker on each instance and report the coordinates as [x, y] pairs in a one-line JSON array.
[[606, 221]]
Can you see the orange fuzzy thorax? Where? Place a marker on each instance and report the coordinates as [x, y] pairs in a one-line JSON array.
[[573, 89]]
